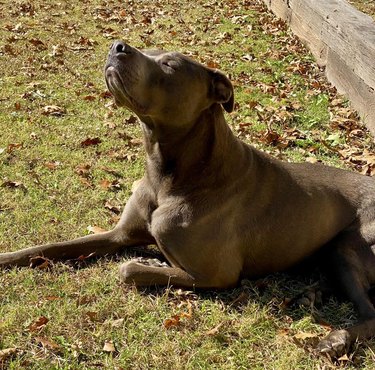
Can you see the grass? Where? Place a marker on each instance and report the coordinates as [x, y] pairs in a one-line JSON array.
[[365, 6], [53, 187]]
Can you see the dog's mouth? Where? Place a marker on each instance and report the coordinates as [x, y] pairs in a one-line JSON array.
[[119, 91], [116, 86]]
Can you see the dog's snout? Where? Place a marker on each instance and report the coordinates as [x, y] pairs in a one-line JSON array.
[[121, 47]]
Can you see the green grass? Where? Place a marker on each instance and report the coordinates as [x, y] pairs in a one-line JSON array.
[[365, 6], [50, 186]]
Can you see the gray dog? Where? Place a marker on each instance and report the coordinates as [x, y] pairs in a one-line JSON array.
[[218, 209]]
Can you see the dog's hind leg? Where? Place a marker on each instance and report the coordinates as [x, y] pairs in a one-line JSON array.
[[148, 273], [131, 230], [352, 265]]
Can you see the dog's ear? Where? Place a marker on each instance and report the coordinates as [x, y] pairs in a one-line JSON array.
[[222, 91]]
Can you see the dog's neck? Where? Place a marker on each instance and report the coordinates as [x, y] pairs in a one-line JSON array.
[[198, 151]]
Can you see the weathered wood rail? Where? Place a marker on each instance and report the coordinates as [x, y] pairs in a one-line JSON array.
[[342, 39]]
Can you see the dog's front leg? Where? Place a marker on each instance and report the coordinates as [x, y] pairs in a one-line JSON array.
[[132, 230]]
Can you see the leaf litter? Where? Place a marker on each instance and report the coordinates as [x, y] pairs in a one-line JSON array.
[[342, 135]]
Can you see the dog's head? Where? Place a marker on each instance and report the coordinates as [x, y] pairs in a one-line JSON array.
[[168, 87]]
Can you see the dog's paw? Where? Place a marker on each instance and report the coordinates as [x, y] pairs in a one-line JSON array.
[[136, 269], [154, 262], [335, 344]]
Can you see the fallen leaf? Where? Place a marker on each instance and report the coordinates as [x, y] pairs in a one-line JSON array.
[[85, 182], [52, 165], [283, 332], [6, 353], [52, 298], [12, 147], [85, 299], [83, 169], [82, 257], [304, 336], [110, 185], [40, 263], [215, 330], [47, 343], [175, 320], [90, 141], [95, 229], [14, 185], [38, 324], [109, 347], [311, 160], [112, 208], [53, 110], [105, 184], [38, 43], [92, 315], [117, 323]]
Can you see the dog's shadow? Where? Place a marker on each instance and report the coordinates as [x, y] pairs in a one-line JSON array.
[[300, 293]]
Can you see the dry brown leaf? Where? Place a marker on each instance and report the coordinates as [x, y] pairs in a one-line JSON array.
[[105, 184], [85, 182], [95, 229], [38, 43], [215, 330], [82, 257], [7, 353], [283, 332], [117, 323], [304, 336], [92, 315], [40, 263], [83, 169], [311, 160], [52, 165], [12, 147], [47, 343], [109, 347], [38, 324], [14, 185], [112, 208], [85, 299], [90, 141], [52, 298], [175, 320], [53, 110]]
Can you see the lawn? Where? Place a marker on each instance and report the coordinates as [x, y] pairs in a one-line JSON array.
[[68, 158], [365, 6]]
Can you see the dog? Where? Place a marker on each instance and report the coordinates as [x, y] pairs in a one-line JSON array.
[[218, 209]]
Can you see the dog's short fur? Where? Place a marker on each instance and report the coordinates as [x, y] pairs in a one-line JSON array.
[[218, 209]]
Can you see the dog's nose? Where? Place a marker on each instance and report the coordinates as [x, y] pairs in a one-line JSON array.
[[121, 47]]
